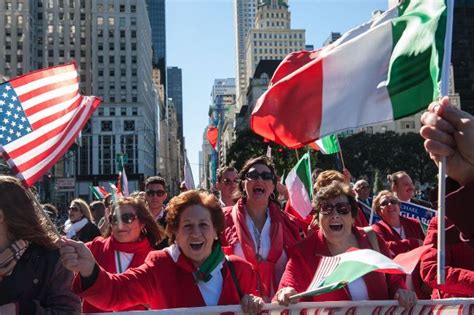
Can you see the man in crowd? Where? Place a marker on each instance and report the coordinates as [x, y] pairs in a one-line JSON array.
[[362, 191], [155, 196], [227, 181], [402, 186]]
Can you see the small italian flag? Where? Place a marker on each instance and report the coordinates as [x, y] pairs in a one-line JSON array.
[[300, 186], [99, 192], [335, 272], [328, 144], [386, 69]]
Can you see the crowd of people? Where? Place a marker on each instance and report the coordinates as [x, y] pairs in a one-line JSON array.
[[242, 246]]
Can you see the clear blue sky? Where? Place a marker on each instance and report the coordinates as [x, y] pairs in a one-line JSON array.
[[200, 41]]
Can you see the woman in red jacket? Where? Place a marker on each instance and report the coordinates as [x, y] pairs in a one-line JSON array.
[[255, 227], [336, 209], [459, 263], [401, 234], [129, 238], [192, 272]]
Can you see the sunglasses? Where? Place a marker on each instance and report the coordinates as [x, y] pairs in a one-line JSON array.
[[254, 175], [390, 201], [159, 193], [343, 208], [228, 181], [126, 218], [73, 209]]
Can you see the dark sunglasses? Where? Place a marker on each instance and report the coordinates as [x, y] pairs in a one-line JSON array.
[[254, 175], [342, 208], [228, 181], [126, 218], [386, 202], [73, 209], [159, 193]]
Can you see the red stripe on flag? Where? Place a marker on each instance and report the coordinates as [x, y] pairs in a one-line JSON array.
[[48, 119], [284, 112], [34, 177], [38, 158], [40, 74], [47, 88], [51, 102]]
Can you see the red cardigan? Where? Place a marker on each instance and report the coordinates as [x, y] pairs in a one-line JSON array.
[[459, 265], [104, 249], [163, 283], [305, 260], [413, 234]]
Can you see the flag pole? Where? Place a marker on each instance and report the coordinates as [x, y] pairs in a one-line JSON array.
[[441, 272], [340, 154], [297, 155]]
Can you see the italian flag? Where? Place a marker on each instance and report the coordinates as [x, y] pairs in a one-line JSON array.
[[378, 72], [99, 192], [335, 272], [328, 144], [300, 186]]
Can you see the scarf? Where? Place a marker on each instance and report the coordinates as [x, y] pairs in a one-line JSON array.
[[71, 229], [10, 256], [105, 255], [266, 278], [207, 267]]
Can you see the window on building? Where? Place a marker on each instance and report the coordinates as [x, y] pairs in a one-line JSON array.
[[134, 111], [111, 8], [123, 111], [133, 8], [129, 125], [112, 111], [129, 145], [106, 154], [85, 155], [122, 8], [100, 20], [111, 21], [106, 125]]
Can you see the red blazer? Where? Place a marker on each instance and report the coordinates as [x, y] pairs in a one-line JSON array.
[[460, 212], [459, 265], [163, 283], [413, 234], [104, 249], [305, 260]]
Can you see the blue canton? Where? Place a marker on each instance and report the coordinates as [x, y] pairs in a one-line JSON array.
[[13, 121]]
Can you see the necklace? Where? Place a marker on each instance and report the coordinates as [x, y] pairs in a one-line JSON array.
[[258, 239]]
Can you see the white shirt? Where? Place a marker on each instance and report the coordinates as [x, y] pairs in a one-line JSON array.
[[122, 261], [265, 244], [400, 232], [211, 290]]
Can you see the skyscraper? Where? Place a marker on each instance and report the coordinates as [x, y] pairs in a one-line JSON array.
[[244, 15], [157, 17], [175, 92]]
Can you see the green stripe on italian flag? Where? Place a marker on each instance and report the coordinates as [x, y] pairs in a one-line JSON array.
[[300, 187], [381, 71]]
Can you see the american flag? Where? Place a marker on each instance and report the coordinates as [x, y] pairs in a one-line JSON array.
[[41, 114]]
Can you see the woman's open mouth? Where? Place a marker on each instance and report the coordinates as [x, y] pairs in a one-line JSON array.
[[336, 226], [196, 245]]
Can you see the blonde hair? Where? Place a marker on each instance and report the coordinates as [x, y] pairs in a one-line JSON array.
[[84, 208]]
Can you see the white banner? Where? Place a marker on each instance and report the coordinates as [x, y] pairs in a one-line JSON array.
[[423, 307]]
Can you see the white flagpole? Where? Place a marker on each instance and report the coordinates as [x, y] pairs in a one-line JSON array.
[[441, 273]]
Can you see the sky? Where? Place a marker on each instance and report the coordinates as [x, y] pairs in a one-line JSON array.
[[200, 39]]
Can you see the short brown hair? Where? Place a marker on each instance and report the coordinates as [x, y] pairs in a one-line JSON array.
[[221, 171], [152, 231], [189, 198], [332, 191], [327, 177], [23, 216], [377, 200], [155, 180]]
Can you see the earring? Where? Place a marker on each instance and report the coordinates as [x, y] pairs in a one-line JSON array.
[[244, 194], [144, 230], [272, 196]]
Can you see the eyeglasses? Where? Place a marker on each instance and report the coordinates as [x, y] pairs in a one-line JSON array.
[[159, 193], [126, 218], [254, 175], [342, 208], [390, 201], [228, 181], [74, 209]]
